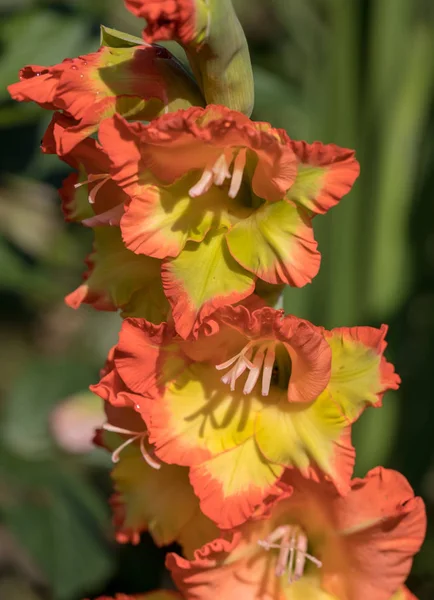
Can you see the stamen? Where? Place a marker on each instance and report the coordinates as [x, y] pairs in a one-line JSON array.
[[268, 369], [221, 170], [282, 560], [238, 172], [291, 559], [301, 557], [255, 371], [239, 370], [117, 452], [94, 177], [217, 172], [147, 457], [264, 358], [240, 362], [135, 435], [291, 541], [203, 185]]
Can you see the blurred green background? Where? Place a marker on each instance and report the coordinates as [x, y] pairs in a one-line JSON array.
[[359, 73]]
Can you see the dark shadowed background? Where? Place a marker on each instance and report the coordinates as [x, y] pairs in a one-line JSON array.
[[359, 73]]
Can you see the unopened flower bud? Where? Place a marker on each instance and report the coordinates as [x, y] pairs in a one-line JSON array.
[[214, 41]]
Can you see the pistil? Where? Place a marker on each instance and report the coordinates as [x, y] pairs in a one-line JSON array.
[[134, 436], [291, 541]]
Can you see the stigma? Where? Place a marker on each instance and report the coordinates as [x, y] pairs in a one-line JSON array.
[[134, 436], [291, 541], [217, 172], [256, 358]]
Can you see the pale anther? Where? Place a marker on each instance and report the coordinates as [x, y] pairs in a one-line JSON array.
[[217, 171], [238, 172], [203, 185]]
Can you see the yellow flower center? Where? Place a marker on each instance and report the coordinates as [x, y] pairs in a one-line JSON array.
[[217, 172], [134, 436], [291, 541]]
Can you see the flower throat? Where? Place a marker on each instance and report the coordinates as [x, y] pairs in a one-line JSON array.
[[268, 357]]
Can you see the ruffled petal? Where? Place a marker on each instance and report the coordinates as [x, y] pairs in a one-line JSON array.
[[121, 142], [201, 279], [145, 358], [325, 173], [360, 374], [161, 220], [137, 82], [194, 139], [302, 438], [166, 19], [207, 577], [114, 275], [112, 389], [364, 542], [277, 244], [198, 422], [92, 166], [144, 502], [306, 345], [384, 526], [230, 494], [198, 417], [229, 570], [38, 84]]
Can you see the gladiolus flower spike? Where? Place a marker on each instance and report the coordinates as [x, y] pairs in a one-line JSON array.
[[228, 421]]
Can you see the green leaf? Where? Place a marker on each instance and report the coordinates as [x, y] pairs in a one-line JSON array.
[[118, 39], [42, 506]]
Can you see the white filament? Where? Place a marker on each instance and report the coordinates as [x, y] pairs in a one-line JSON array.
[[291, 541], [134, 436], [101, 178], [263, 360]]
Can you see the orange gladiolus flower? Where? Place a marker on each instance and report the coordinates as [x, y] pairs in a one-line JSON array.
[[80, 191], [256, 392], [169, 19], [315, 545], [145, 487], [137, 82], [223, 201], [115, 277]]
